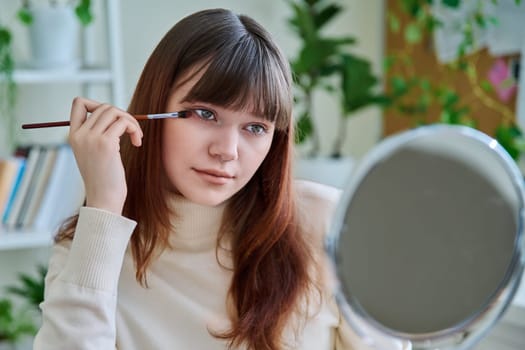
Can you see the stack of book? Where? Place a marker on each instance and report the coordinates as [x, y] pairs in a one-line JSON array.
[[40, 187]]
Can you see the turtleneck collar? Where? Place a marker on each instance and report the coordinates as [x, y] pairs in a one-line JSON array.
[[195, 226]]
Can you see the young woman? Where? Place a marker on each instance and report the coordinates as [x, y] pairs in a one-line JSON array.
[[193, 234]]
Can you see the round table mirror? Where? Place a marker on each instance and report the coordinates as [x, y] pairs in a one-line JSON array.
[[427, 242]]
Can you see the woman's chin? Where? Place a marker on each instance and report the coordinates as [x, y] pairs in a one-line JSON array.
[[209, 199]]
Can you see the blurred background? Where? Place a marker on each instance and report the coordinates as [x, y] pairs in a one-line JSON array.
[[140, 27], [363, 70]]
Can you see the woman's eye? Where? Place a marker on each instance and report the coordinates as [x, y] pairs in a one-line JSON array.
[[256, 129], [205, 114]]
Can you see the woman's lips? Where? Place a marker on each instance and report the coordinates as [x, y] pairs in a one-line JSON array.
[[213, 176]]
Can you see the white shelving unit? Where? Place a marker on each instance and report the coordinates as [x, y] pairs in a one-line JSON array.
[[84, 76], [87, 76], [24, 239], [89, 73]]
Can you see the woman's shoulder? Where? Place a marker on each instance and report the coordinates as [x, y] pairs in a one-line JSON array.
[[316, 205], [316, 196], [310, 191]]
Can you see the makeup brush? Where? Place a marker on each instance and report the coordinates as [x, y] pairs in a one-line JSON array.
[[181, 114]]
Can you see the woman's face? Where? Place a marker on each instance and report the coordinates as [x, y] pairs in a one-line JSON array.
[[210, 155]]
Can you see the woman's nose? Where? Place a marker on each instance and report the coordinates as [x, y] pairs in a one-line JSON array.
[[225, 145]]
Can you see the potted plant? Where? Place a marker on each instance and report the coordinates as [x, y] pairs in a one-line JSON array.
[[53, 30], [18, 324], [30, 288], [82, 10], [326, 63], [15, 325]]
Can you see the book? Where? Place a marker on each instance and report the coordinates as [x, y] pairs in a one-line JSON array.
[[21, 165], [64, 193], [33, 156], [39, 184], [9, 168]]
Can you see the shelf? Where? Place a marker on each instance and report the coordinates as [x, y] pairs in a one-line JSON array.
[[21, 239], [81, 75]]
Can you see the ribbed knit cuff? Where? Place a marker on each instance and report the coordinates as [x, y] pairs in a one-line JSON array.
[[96, 254]]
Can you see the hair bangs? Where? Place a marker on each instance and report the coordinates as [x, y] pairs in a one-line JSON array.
[[246, 76]]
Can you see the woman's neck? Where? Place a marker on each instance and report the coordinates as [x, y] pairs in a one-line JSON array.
[[195, 226]]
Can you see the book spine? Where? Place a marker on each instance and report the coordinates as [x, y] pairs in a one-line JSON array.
[[9, 205], [45, 189]]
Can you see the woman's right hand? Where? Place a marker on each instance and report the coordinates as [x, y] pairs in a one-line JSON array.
[[95, 141]]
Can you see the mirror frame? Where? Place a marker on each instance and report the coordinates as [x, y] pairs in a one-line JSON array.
[[468, 332]]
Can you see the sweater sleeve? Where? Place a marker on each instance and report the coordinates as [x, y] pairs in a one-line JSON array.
[[79, 307]]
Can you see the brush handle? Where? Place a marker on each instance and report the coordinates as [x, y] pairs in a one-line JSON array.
[[137, 116], [45, 125]]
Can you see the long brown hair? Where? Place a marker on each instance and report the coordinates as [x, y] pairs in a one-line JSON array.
[[242, 67]]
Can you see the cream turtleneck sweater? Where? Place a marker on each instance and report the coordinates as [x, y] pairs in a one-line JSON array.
[[93, 301]]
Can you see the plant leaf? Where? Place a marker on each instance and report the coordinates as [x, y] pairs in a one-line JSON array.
[[83, 11], [451, 3], [304, 128], [393, 23], [413, 33], [25, 16], [511, 139], [326, 15], [5, 37], [356, 84]]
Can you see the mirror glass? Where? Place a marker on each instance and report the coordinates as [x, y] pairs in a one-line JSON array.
[[427, 240]]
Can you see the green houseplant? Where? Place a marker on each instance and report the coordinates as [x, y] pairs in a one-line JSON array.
[[326, 62], [15, 324], [7, 84], [30, 288], [82, 11], [417, 96], [53, 29]]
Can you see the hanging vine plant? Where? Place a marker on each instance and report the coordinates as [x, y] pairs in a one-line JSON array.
[[415, 94], [7, 84]]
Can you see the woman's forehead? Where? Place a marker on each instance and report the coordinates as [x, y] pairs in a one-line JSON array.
[[261, 92], [186, 80], [182, 91]]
